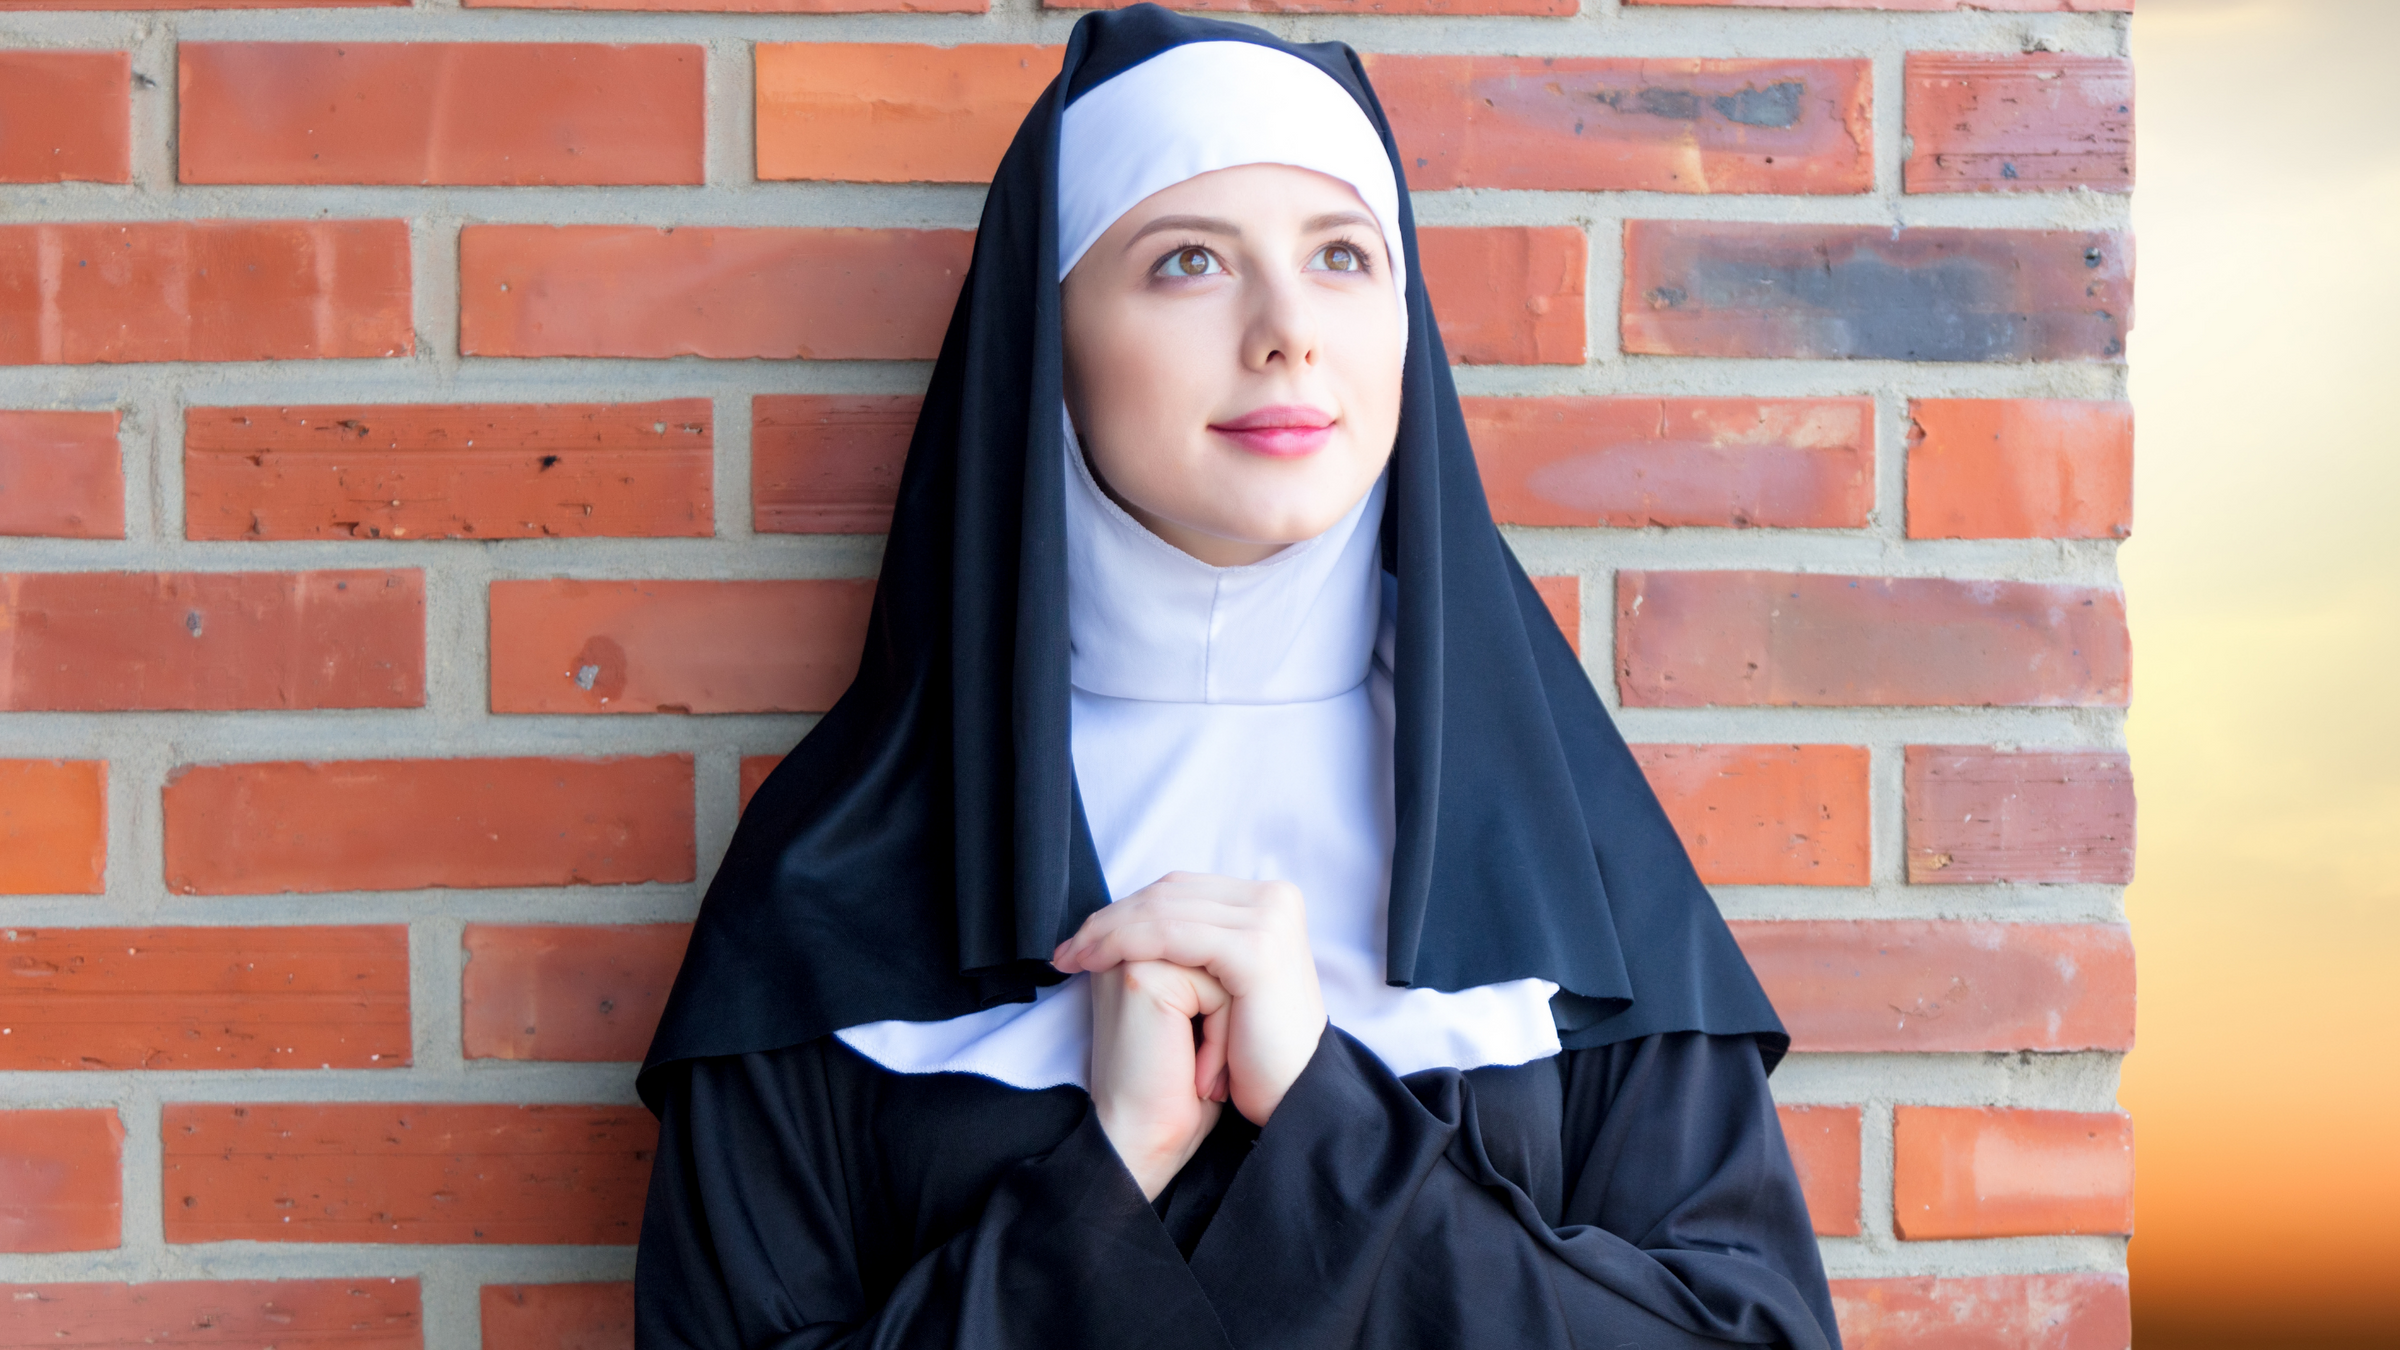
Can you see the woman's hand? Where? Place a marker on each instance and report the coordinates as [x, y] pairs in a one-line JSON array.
[[1157, 1093], [1252, 936]]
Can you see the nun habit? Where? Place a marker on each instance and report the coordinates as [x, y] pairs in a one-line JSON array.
[[1538, 1116]]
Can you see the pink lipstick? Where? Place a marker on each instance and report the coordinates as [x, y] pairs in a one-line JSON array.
[[1284, 431]]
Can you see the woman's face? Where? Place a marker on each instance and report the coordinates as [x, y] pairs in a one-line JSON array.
[[1233, 349]]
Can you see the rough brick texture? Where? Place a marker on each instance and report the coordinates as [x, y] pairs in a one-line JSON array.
[[216, 1314], [1969, 1172], [439, 112], [219, 641], [568, 991], [59, 1184], [402, 824], [454, 478], [1996, 122], [67, 115], [1991, 815], [204, 290], [2019, 469], [464, 471], [204, 998], [61, 473], [1711, 288], [1691, 639], [53, 826], [417, 1172]]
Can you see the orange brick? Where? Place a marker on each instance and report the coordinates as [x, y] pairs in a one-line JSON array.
[[1931, 985], [1976, 814], [1990, 1312], [1458, 7], [558, 1316], [402, 824], [2012, 6], [2019, 469], [750, 6], [755, 769], [1614, 124], [61, 473], [464, 471], [215, 1315], [204, 290], [69, 117], [585, 992], [1773, 639], [675, 646], [2005, 121], [1824, 1145], [53, 826], [416, 1172], [61, 1182], [440, 112], [1975, 1172], [1563, 596], [1509, 295], [213, 641], [893, 112], [1738, 288], [1635, 462], [1766, 815], [205, 998], [728, 292], [828, 463]]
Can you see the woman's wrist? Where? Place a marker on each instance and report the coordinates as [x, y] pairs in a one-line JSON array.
[[1152, 1152]]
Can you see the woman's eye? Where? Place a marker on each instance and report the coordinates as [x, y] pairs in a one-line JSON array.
[[1190, 262], [1340, 258]]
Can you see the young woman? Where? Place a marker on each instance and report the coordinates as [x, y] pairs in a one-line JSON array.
[[1220, 914]]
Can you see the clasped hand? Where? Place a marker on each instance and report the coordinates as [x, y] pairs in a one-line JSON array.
[[1234, 954]]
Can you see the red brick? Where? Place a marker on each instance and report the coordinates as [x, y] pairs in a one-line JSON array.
[[404, 824], [1773, 639], [214, 1315], [1614, 124], [2015, 6], [61, 473], [464, 471], [1460, 7], [1766, 815], [69, 117], [1635, 462], [440, 112], [1824, 1145], [1976, 814], [729, 292], [1926, 985], [750, 6], [827, 463], [675, 646], [1975, 1172], [213, 641], [204, 290], [585, 992], [2019, 469], [53, 826], [1735, 288], [755, 769], [558, 1316], [893, 112], [1510, 295], [405, 1172], [1990, 1312], [2001, 121], [1563, 596], [61, 1184], [205, 998]]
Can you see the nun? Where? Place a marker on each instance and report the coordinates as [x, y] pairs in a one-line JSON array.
[[1220, 913]]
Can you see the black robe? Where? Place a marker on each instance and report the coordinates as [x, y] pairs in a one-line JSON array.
[[1635, 1195]]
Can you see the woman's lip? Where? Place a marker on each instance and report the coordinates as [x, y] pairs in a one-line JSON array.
[[1286, 431]]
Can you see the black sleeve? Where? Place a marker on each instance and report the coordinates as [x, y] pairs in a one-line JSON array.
[[753, 1235], [1369, 1213]]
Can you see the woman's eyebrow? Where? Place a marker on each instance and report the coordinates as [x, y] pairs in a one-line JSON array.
[[1335, 219], [1190, 224]]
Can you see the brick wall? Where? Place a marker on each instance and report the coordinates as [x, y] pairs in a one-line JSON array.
[[446, 447]]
